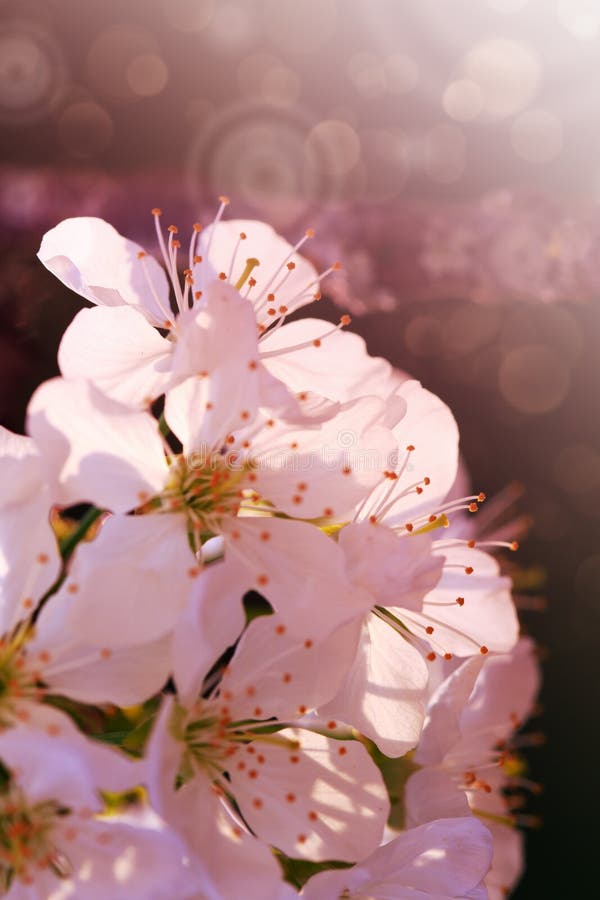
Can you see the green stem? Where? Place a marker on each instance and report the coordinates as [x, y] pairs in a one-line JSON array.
[[67, 546]]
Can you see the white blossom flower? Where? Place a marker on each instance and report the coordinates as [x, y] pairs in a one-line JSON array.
[[117, 344], [107, 454], [48, 657], [446, 859], [465, 752], [56, 841], [300, 791]]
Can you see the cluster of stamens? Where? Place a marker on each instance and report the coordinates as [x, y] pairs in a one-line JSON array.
[[381, 502], [205, 487], [26, 838], [214, 742], [17, 681], [269, 311]]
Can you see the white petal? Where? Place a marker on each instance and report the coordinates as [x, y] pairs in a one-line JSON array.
[[236, 863], [119, 352], [94, 260], [344, 792], [486, 618], [217, 245], [443, 727], [21, 472], [52, 760], [504, 693], [29, 557], [90, 672], [216, 344], [339, 366], [508, 863], [132, 581], [94, 449], [126, 861], [384, 693], [295, 676], [430, 428], [298, 570], [397, 571], [162, 761], [338, 462], [211, 621], [443, 860], [433, 794], [478, 706]]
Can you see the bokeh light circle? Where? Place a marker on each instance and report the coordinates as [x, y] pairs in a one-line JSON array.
[[147, 75], [85, 128], [401, 73], [32, 72], [111, 61], [255, 152], [507, 72], [463, 100], [299, 28], [533, 379], [189, 15], [366, 72], [537, 136], [265, 77], [333, 147], [580, 17]]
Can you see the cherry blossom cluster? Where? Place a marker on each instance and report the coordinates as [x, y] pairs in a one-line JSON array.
[[251, 643]]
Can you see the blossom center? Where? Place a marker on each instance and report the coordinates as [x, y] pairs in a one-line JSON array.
[[17, 681], [206, 486], [26, 837], [203, 733]]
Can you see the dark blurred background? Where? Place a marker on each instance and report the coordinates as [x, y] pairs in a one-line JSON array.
[[448, 155]]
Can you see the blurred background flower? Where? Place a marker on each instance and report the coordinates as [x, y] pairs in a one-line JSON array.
[[448, 157]]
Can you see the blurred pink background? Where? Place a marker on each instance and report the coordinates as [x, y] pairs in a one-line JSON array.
[[448, 154]]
